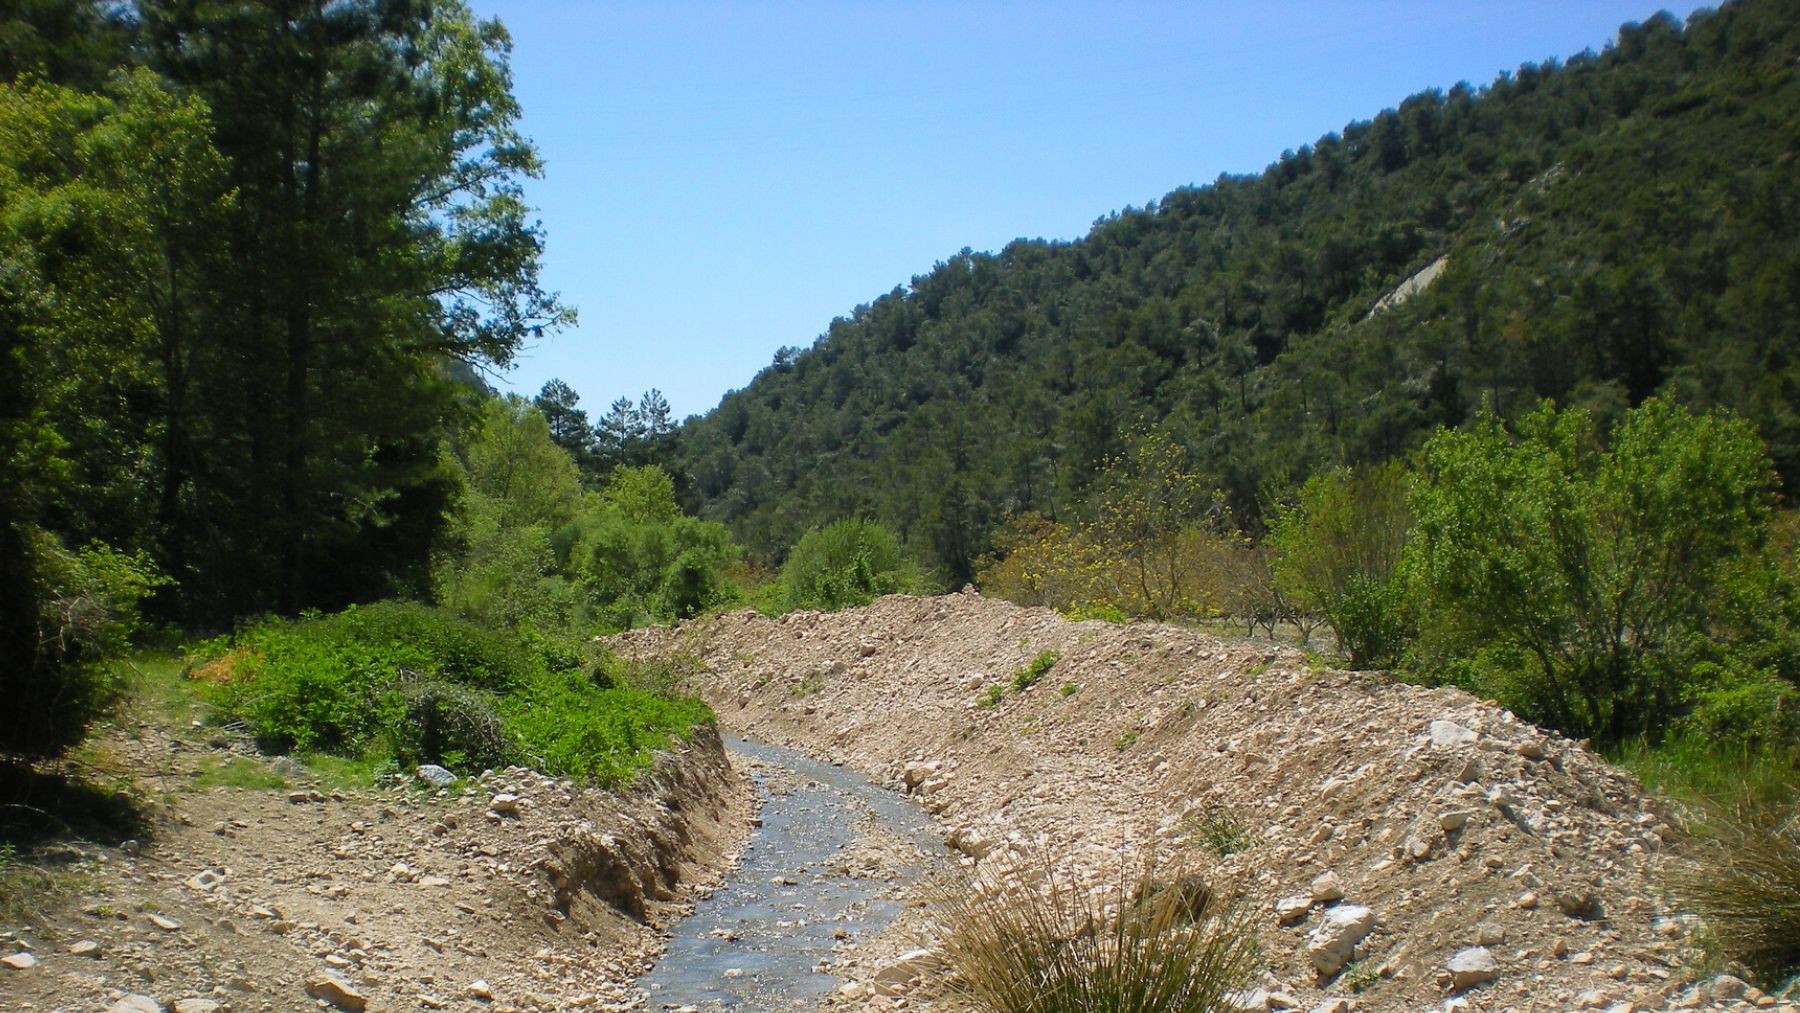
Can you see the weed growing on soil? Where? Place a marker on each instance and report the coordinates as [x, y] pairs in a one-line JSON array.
[[26, 888], [1359, 976], [809, 684], [1217, 831], [1126, 741], [1068, 689], [1040, 942], [1026, 677], [239, 772], [993, 695]]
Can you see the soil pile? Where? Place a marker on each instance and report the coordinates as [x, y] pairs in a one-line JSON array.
[[1404, 848], [511, 892]]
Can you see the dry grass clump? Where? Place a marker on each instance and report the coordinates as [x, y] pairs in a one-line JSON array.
[[1038, 942], [1744, 882]]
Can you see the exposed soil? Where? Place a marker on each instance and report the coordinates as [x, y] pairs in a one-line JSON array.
[[516, 892], [1457, 824]]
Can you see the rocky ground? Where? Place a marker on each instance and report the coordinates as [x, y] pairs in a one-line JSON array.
[[1403, 848], [510, 892]]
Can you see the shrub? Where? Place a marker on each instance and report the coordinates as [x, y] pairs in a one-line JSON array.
[[1038, 942], [847, 563], [564, 724], [1026, 677], [456, 726], [1337, 553], [65, 615], [334, 682], [1601, 574]]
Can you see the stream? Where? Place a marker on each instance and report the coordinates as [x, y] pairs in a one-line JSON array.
[[827, 865]]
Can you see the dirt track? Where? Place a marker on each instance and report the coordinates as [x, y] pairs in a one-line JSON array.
[[1457, 824]]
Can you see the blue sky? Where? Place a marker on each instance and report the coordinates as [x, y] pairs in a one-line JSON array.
[[724, 178]]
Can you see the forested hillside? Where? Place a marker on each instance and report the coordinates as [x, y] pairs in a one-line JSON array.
[[1611, 227]]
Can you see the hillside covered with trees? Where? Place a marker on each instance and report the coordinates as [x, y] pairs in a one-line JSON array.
[[1601, 230]]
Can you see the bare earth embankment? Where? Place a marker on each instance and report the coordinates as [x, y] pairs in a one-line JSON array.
[[1403, 848], [519, 892]]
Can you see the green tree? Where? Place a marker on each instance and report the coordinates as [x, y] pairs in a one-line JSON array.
[[846, 563], [1337, 554], [1583, 585]]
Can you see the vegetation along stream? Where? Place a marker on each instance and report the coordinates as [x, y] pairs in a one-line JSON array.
[[828, 865]]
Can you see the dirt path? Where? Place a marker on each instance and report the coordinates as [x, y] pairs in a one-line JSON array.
[[1501, 867], [520, 892]]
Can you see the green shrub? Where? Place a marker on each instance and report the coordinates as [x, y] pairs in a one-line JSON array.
[[1026, 677], [848, 563], [1602, 577], [456, 726], [67, 614], [334, 683], [563, 723], [1042, 943], [1338, 555]]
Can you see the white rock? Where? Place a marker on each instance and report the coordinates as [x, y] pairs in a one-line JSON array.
[[480, 989], [136, 1003], [907, 966], [1328, 887], [19, 961], [505, 802], [1454, 820], [1335, 1004], [1289, 910], [1332, 943], [195, 1006], [1450, 735], [1471, 967], [436, 776], [335, 989]]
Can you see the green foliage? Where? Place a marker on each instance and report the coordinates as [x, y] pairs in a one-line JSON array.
[[1337, 553], [1044, 944], [1611, 227], [638, 559], [397, 683], [1585, 585], [564, 723], [992, 696], [1217, 830], [83, 612], [846, 563], [1026, 677], [1067, 689], [340, 683]]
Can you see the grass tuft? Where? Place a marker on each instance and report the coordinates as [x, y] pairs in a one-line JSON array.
[[1026, 677], [1744, 882], [1035, 941]]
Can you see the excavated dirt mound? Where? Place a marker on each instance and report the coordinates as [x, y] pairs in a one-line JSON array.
[[516, 892], [1503, 867]]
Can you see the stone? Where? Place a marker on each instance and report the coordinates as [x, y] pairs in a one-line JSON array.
[[1450, 735], [1331, 945], [195, 1006], [1289, 910], [504, 803], [1490, 934], [1454, 820], [1579, 903], [84, 948], [137, 1002], [19, 961], [1255, 1000], [434, 775], [1335, 1004], [1327, 888], [1283, 1000], [1471, 967], [906, 967], [916, 774], [206, 880], [166, 924], [335, 989], [480, 989]]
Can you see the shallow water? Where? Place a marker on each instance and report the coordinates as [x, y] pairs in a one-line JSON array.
[[757, 942]]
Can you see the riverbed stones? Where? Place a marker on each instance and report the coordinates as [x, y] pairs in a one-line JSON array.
[[1450, 735], [335, 989], [434, 775], [1327, 888], [1331, 945], [137, 1002], [1473, 966], [1289, 910], [19, 961]]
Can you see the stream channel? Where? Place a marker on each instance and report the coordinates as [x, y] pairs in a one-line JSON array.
[[805, 882]]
